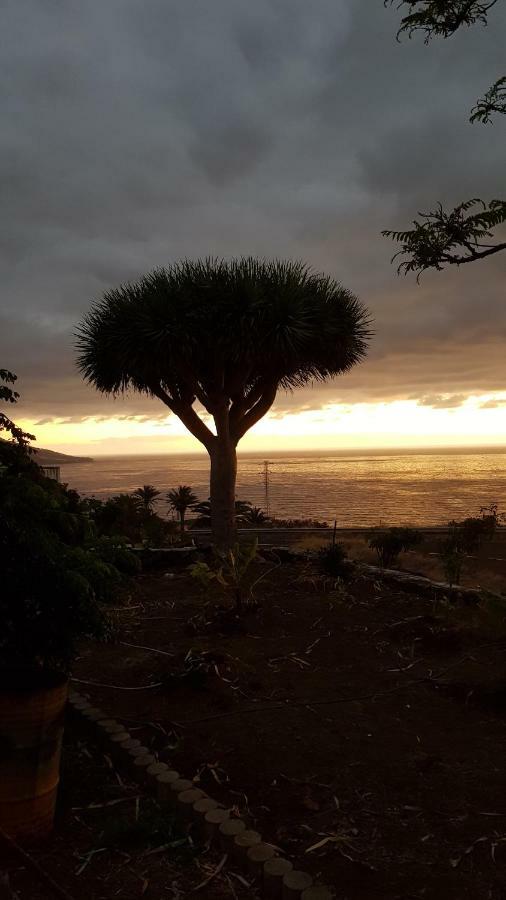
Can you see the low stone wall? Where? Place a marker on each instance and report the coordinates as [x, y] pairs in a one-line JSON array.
[[420, 585]]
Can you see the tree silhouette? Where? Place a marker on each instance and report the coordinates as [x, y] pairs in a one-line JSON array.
[[17, 434], [147, 494], [255, 516], [451, 238], [181, 499], [227, 335]]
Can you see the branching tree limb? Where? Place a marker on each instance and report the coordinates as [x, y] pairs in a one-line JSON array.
[[440, 18], [450, 238], [6, 393], [494, 101]]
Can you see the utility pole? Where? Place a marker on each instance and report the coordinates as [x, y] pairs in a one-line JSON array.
[[266, 486]]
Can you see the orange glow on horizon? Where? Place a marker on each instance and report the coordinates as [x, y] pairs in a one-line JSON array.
[[360, 426]]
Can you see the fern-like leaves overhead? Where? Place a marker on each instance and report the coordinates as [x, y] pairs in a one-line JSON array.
[[443, 238], [440, 18]]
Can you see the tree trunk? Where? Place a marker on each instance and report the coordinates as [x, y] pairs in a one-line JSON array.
[[181, 519], [223, 476]]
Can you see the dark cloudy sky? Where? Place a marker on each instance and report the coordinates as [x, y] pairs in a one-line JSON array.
[[135, 132]]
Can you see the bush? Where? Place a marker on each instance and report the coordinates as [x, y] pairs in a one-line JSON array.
[[50, 581], [389, 544], [333, 560], [298, 523], [112, 550], [466, 537]]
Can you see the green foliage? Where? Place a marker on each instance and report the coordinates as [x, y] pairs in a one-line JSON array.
[[230, 572], [122, 515], [449, 238], [157, 532], [20, 437], [49, 583], [494, 101], [440, 18], [125, 518], [333, 560], [115, 554], [389, 544], [103, 577]]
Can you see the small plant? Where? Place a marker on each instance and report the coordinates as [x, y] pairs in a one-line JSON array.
[[230, 572], [453, 552], [390, 544], [255, 516], [333, 560]]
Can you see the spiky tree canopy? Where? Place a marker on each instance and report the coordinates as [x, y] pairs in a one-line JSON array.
[[147, 494], [181, 498], [227, 334]]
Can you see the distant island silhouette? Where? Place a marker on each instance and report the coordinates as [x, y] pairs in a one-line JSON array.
[[52, 458]]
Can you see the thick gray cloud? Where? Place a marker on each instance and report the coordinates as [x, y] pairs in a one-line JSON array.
[[135, 132]]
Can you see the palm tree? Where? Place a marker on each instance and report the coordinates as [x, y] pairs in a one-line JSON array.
[[147, 494], [255, 516], [242, 509], [180, 499], [227, 335]]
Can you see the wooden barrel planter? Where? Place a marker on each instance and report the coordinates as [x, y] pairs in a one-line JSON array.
[[32, 710]]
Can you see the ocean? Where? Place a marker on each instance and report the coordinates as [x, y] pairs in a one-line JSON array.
[[355, 489]]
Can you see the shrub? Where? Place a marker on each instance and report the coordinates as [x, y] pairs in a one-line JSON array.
[[298, 523], [466, 537], [48, 597], [333, 560], [114, 552], [389, 544], [474, 531], [230, 572], [55, 570]]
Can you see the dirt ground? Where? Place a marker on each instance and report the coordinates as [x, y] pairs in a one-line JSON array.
[[360, 730], [107, 842]]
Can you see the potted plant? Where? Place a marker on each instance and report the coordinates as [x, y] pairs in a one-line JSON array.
[[47, 604]]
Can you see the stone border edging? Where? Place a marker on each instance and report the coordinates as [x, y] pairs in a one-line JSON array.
[[421, 583], [275, 876]]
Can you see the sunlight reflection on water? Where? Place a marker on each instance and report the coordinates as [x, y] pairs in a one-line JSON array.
[[356, 490]]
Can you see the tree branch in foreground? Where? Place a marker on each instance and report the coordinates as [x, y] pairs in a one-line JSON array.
[[494, 101], [10, 396], [440, 18], [449, 238]]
